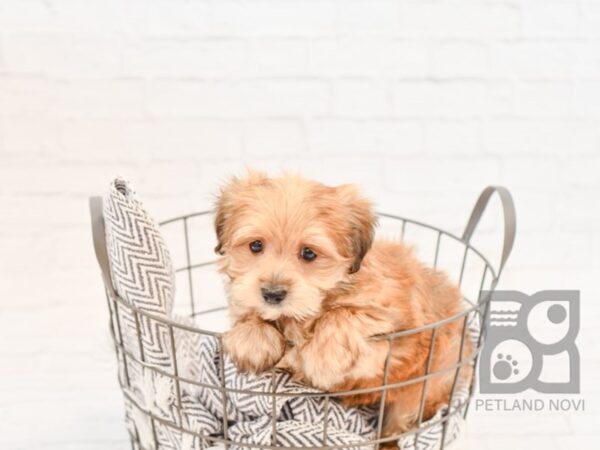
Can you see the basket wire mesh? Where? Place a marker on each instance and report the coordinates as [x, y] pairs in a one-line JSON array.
[[471, 319]]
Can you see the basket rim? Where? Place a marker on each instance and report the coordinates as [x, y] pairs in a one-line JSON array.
[[474, 305]]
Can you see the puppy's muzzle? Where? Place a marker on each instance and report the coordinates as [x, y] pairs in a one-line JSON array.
[[273, 294]]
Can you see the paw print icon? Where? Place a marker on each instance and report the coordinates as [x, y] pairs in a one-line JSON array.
[[529, 338], [505, 367]]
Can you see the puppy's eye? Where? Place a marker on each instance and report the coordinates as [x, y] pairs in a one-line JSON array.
[[307, 254], [256, 246]]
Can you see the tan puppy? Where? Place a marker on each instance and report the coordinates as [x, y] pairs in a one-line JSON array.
[[308, 287]]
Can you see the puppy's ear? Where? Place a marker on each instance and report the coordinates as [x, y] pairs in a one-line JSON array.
[[230, 198], [362, 222]]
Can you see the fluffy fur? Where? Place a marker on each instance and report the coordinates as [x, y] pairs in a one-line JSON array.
[[354, 289]]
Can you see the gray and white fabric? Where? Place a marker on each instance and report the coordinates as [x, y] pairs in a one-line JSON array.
[[140, 263], [141, 270], [300, 418], [142, 276]]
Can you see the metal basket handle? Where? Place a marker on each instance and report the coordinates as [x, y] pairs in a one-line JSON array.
[[510, 219], [99, 237]]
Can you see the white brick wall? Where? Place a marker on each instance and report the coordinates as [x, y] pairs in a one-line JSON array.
[[423, 102]]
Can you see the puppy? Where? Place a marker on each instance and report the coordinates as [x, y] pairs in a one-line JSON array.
[[309, 287]]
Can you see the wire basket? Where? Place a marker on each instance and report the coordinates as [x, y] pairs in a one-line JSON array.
[[473, 272]]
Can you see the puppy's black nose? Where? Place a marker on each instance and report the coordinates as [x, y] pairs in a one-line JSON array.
[[273, 295]]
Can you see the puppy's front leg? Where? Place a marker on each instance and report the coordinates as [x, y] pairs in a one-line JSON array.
[[332, 351], [253, 344]]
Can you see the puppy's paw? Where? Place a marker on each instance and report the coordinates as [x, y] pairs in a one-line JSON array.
[[325, 361], [254, 346], [324, 367]]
